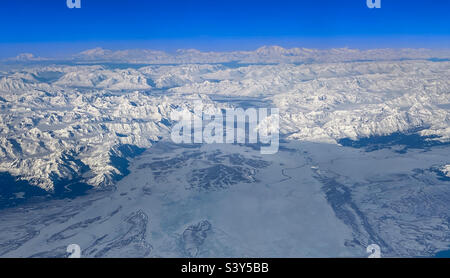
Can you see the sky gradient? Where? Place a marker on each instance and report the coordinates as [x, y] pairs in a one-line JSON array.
[[49, 27]]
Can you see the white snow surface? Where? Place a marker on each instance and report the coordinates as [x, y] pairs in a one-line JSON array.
[[446, 170], [49, 112], [314, 198]]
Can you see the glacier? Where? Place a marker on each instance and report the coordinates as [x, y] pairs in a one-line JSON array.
[[85, 155]]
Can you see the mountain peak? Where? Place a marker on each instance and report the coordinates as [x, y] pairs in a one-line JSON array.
[[23, 57], [273, 49], [98, 51]]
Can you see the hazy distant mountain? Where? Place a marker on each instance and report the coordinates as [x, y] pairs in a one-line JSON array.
[[265, 54]]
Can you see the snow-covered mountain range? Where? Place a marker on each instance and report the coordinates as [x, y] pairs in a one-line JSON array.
[[363, 154], [59, 119], [265, 54]]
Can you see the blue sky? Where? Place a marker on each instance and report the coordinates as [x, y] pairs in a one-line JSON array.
[[48, 27]]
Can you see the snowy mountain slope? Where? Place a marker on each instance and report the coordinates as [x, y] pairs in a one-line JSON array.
[[50, 113], [40, 128], [344, 177], [350, 100], [446, 170]]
